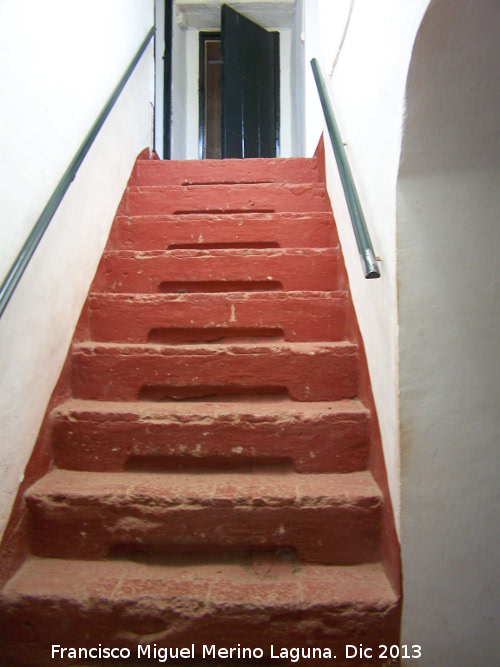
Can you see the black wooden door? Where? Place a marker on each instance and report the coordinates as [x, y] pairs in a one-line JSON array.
[[250, 88]]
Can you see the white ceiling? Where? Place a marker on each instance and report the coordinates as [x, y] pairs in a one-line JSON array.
[[205, 14]]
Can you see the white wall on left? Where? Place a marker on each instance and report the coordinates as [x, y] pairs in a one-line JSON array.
[[59, 62]]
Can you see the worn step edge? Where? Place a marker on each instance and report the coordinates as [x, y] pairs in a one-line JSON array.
[[237, 253], [187, 349], [236, 297], [280, 217], [211, 490], [361, 586], [75, 409]]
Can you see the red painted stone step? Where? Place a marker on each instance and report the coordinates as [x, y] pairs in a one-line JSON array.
[[165, 232], [121, 603], [332, 519], [307, 371], [188, 172], [263, 198], [207, 490], [218, 270], [313, 437], [291, 316]]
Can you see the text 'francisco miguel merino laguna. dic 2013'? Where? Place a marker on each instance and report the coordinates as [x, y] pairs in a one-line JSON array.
[[163, 654]]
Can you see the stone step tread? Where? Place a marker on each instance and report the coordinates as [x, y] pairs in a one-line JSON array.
[[113, 436], [251, 170], [189, 489], [225, 297], [236, 253], [285, 230], [220, 198], [218, 270], [243, 217], [189, 349], [79, 409], [264, 583], [298, 189]]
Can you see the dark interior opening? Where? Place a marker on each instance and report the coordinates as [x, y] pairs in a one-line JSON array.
[[210, 95]]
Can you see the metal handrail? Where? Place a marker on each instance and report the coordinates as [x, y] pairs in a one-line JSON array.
[[21, 262], [361, 233]]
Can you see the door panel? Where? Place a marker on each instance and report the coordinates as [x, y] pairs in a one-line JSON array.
[[250, 88]]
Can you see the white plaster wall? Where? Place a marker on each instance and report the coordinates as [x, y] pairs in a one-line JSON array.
[[179, 91], [297, 83], [367, 89], [192, 103], [159, 74], [59, 62], [449, 287]]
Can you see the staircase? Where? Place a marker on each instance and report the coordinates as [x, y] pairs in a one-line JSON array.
[[210, 483]]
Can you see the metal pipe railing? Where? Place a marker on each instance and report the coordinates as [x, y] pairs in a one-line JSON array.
[[21, 262], [361, 233]]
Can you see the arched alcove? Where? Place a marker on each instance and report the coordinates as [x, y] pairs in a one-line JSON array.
[[448, 214]]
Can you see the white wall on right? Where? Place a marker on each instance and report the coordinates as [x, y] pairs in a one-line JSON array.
[[420, 120], [449, 302], [364, 49]]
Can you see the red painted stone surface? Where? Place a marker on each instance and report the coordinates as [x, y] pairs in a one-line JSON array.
[[180, 271], [253, 602], [191, 172], [166, 232], [311, 437], [307, 371], [248, 198], [182, 512], [212, 444], [291, 316]]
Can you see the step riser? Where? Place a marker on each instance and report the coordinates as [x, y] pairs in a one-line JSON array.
[[65, 528], [292, 170], [321, 374], [158, 200], [283, 230], [217, 618], [289, 272], [337, 444], [296, 319]]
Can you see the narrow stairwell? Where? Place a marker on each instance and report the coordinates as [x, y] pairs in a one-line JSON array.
[[210, 481]]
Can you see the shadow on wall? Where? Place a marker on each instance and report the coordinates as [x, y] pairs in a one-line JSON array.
[[448, 249]]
